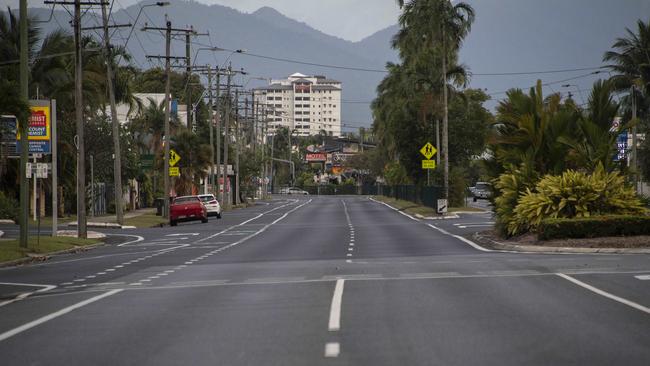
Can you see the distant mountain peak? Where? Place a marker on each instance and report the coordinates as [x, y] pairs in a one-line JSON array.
[[267, 11]]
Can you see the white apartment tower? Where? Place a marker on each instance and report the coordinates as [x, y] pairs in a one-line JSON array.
[[306, 104]]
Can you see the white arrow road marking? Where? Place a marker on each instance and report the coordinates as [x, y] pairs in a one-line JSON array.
[[643, 277]]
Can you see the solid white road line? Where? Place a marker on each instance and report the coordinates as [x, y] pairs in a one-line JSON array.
[[54, 315], [464, 240], [643, 277], [605, 294], [335, 309], [332, 349]]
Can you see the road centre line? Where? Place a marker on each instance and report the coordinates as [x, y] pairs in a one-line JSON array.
[[245, 222], [46, 318], [190, 262], [332, 349], [608, 295], [335, 309]]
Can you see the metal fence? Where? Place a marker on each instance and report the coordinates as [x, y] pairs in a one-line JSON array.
[[426, 196]]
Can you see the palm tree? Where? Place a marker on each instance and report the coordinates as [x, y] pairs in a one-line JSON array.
[[429, 25], [631, 63]]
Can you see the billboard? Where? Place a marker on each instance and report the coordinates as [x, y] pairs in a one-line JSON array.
[[39, 129]]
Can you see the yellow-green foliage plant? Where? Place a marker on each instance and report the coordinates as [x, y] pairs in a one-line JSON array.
[[574, 194]]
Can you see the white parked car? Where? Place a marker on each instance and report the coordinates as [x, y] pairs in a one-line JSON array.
[[293, 190], [211, 203]]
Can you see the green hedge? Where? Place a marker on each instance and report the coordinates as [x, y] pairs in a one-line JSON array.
[[593, 227]]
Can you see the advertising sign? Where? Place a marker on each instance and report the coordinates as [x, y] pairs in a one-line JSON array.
[[316, 157], [38, 129]]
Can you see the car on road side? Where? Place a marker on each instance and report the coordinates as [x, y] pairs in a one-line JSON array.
[[211, 204], [293, 190], [482, 190], [187, 208]]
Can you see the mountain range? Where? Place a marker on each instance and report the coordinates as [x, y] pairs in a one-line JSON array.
[[508, 36]]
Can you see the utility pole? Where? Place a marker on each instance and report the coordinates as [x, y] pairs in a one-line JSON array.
[[24, 143], [117, 152], [445, 118], [81, 151], [237, 146], [634, 159], [210, 125], [218, 135], [167, 141], [226, 195]]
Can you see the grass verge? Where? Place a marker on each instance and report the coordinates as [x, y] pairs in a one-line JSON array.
[[10, 249], [145, 221], [407, 206]]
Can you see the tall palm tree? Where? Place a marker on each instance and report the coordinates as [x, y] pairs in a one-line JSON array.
[[631, 63], [429, 25]]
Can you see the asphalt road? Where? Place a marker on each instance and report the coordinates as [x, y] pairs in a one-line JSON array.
[[324, 281]]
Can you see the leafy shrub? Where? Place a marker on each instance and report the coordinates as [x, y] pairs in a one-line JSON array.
[[8, 207], [508, 188], [592, 227], [574, 194]]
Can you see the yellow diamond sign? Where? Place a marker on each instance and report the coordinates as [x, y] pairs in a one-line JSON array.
[[174, 158], [428, 150]]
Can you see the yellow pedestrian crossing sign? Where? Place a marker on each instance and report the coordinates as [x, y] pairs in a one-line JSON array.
[[174, 158], [428, 150]]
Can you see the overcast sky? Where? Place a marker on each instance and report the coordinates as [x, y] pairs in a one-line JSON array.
[[348, 19]]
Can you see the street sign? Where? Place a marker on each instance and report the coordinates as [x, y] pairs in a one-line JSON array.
[[28, 170], [42, 170], [442, 206], [428, 150], [174, 171], [174, 158], [146, 161], [428, 164]]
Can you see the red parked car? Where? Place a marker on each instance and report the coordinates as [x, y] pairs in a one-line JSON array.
[[187, 208]]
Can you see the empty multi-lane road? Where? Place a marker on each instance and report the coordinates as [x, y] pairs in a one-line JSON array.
[[324, 281]]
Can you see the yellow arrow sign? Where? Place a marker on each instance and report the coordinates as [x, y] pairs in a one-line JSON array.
[[174, 158], [428, 150], [174, 171]]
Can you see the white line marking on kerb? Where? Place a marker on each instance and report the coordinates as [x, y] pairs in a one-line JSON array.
[[605, 294], [332, 349], [335, 309], [54, 315]]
